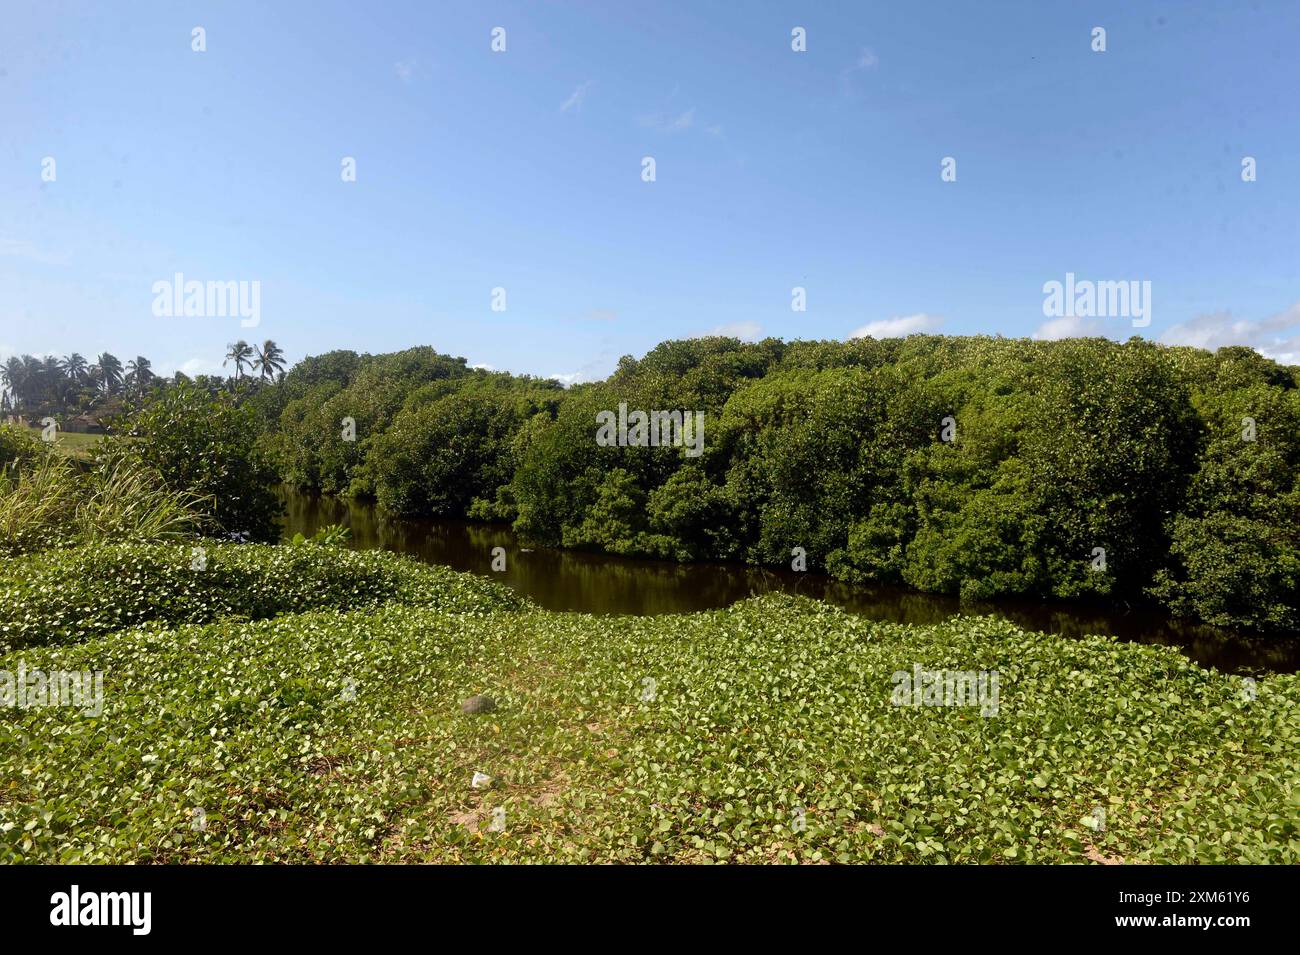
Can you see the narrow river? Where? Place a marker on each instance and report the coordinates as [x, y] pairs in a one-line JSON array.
[[604, 584]]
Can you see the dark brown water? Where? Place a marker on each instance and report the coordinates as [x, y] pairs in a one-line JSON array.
[[599, 583]]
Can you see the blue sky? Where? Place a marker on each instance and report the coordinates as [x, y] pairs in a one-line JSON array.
[[522, 170]]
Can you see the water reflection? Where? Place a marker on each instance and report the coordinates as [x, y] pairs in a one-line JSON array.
[[598, 583]]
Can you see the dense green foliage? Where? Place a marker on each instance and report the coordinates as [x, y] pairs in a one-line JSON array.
[[1062, 448], [18, 448], [430, 434], [306, 697], [202, 442], [329, 736], [80, 593], [452, 454]]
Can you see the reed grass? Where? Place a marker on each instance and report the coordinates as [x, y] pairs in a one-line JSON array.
[[53, 503]]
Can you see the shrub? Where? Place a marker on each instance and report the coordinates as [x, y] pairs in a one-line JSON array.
[[80, 593], [1230, 571], [204, 444], [369, 389], [18, 448], [331, 535], [438, 458]]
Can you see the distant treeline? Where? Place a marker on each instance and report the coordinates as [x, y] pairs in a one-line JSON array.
[[49, 385], [1082, 468]]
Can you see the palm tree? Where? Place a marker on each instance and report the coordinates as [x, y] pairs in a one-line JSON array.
[[33, 383], [110, 372], [52, 373], [12, 374], [75, 367], [270, 359], [239, 353], [139, 372], [57, 386]]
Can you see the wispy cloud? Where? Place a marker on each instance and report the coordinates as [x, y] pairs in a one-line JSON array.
[[406, 70], [667, 123], [576, 98], [1068, 326], [866, 60], [600, 366], [571, 378], [745, 331], [899, 326], [675, 119], [1277, 337]]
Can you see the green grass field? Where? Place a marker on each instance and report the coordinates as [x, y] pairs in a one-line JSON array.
[[765, 732], [74, 444]]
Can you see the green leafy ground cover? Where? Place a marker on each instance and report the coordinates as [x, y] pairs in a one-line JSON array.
[[69, 595], [337, 736]]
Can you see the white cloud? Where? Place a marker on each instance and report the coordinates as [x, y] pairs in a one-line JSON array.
[[899, 326], [405, 70], [193, 367], [483, 367], [1277, 337], [867, 60], [1068, 326], [576, 97], [745, 331], [600, 366], [570, 379], [670, 124]]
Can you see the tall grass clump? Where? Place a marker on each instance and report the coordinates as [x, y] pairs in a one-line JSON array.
[[53, 503], [37, 506], [126, 501]]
